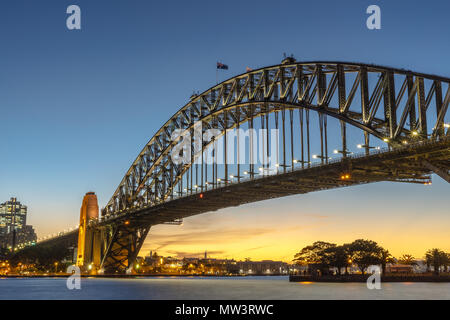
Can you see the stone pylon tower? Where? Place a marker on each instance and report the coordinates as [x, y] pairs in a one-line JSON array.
[[88, 212]]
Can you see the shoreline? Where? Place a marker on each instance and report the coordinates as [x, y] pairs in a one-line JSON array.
[[355, 278], [12, 276], [363, 278]]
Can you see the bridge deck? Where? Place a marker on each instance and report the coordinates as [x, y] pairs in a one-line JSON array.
[[399, 165]]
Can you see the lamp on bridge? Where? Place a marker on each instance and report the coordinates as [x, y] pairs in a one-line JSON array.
[[251, 173], [316, 156], [300, 161], [264, 170], [366, 146], [221, 180], [281, 165], [343, 152]]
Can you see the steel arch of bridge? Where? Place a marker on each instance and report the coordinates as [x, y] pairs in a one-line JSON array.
[[386, 103], [406, 109]]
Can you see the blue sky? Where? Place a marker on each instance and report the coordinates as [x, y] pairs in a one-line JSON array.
[[78, 106]]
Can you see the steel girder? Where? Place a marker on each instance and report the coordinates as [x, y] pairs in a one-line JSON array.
[[123, 244], [329, 88], [386, 103], [404, 164]]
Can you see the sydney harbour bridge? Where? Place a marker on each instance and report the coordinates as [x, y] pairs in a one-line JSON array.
[[395, 120]]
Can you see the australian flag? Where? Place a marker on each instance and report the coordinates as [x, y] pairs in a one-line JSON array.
[[222, 66]]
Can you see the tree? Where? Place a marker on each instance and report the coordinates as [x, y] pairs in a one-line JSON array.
[[314, 253], [407, 259], [365, 253], [337, 256], [446, 261], [385, 258], [4, 254], [317, 253], [436, 258], [44, 256]]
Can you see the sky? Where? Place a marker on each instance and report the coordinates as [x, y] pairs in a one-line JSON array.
[[77, 107]]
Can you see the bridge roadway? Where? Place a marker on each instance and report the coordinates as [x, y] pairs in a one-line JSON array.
[[405, 164]]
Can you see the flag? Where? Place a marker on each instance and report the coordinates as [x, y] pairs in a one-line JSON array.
[[247, 69], [222, 66]]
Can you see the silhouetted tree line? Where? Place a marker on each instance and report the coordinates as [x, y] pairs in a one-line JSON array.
[[4, 254], [363, 253], [43, 257], [437, 258]]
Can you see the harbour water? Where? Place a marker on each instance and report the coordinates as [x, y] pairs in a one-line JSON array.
[[198, 288]]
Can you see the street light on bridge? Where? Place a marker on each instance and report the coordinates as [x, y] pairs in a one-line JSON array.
[[250, 173], [281, 165], [366, 146], [300, 161], [343, 152], [316, 156], [222, 180]]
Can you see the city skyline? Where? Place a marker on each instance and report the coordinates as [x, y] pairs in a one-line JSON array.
[[95, 97]]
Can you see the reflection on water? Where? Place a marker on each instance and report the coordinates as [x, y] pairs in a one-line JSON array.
[[214, 288]]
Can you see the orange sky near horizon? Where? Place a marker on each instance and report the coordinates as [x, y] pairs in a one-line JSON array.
[[403, 218], [277, 229]]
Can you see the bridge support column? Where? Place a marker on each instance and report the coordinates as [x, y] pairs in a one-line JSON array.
[[123, 243], [86, 234]]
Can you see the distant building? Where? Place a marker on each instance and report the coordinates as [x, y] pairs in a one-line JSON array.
[[13, 224], [262, 267], [420, 266], [205, 265], [153, 260], [12, 213], [399, 268]]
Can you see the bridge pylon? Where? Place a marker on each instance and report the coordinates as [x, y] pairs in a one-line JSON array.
[[111, 248], [88, 253]]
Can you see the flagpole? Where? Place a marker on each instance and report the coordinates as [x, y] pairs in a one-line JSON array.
[[217, 75]]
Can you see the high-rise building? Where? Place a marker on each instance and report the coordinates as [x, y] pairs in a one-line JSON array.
[[13, 224], [12, 214]]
